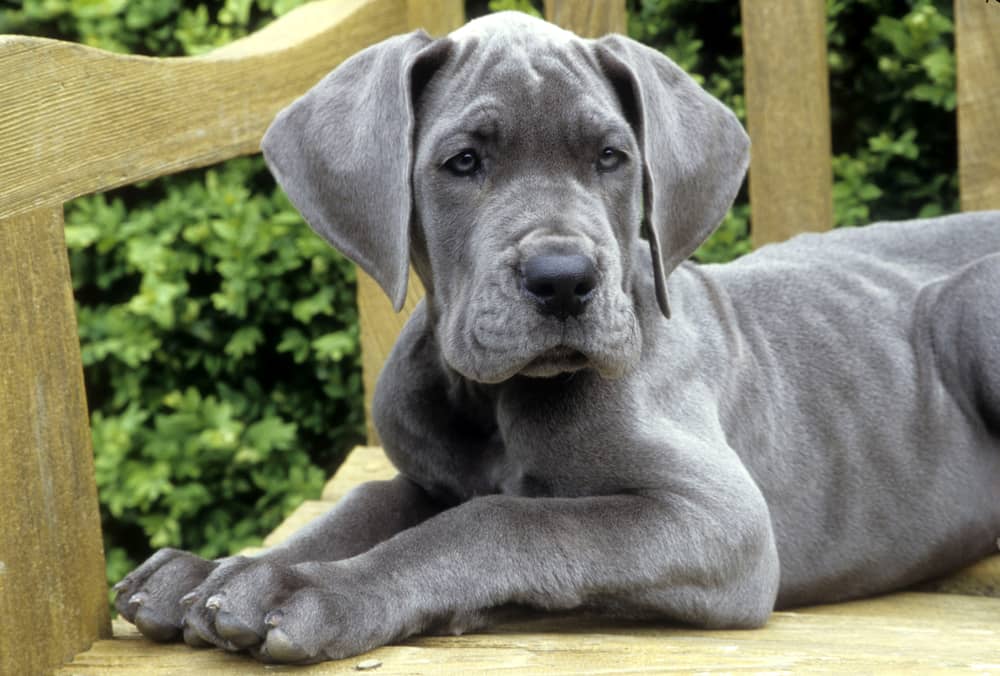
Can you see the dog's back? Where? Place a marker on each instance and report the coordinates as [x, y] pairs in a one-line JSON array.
[[919, 249], [870, 357]]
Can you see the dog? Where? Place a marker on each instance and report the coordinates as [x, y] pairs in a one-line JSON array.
[[580, 417]]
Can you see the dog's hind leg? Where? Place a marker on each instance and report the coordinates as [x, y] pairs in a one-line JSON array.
[[965, 335]]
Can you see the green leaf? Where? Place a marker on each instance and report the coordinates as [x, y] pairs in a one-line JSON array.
[[81, 236], [320, 302], [95, 9], [334, 346], [271, 433], [525, 6], [244, 342]]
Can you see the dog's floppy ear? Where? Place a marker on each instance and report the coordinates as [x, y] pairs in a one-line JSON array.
[[343, 154], [694, 151]]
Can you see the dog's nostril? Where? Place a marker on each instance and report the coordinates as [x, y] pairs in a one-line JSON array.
[[561, 285]]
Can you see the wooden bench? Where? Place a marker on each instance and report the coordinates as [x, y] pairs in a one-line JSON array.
[[75, 120]]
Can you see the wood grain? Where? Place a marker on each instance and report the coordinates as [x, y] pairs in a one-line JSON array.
[[788, 115], [75, 120], [53, 600], [303, 514], [979, 579], [588, 18], [437, 17], [902, 633], [364, 463], [380, 326], [977, 50]]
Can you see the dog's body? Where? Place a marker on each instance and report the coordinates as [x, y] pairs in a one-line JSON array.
[[813, 362], [817, 421]]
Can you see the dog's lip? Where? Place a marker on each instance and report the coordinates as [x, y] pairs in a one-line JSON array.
[[560, 352], [556, 360]]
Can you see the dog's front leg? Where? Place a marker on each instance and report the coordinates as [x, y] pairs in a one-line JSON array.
[[678, 557], [369, 514], [176, 594]]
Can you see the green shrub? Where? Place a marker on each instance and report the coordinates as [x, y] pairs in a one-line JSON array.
[[892, 87], [220, 346]]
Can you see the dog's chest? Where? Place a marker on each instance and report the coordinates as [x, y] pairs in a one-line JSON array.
[[537, 451], [518, 471]]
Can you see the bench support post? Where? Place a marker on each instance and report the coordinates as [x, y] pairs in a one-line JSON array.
[[53, 592]]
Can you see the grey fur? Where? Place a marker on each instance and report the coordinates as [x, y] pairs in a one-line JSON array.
[[831, 403]]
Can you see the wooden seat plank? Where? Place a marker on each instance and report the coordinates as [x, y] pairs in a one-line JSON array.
[[902, 632], [365, 463]]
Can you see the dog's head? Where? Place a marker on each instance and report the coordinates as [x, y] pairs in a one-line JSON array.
[[516, 165]]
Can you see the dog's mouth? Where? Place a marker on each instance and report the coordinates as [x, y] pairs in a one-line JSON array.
[[554, 361]]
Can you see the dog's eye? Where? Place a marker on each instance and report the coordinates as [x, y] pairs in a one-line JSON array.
[[609, 159], [465, 163]]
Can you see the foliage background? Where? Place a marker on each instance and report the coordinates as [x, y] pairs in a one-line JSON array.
[[219, 336]]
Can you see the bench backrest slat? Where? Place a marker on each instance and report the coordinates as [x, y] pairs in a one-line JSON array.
[[788, 116], [588, 18], [977, 50]]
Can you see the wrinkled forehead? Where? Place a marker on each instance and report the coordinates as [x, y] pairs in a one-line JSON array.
[[508, 49], [514, 69]]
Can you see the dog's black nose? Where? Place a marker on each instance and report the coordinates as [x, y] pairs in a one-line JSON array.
[[560, 285]]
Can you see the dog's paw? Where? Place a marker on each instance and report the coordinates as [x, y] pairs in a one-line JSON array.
[[230, 608], [316, 624], [149, 596], [277, 612], [293, 613]]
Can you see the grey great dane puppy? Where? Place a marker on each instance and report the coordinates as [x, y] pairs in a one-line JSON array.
[[580, 418]]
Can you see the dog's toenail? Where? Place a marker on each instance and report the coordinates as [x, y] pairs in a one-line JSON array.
[[138, 599], [188, 599], [274, 618], [121, 585], [281, 647], [214, 602]]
